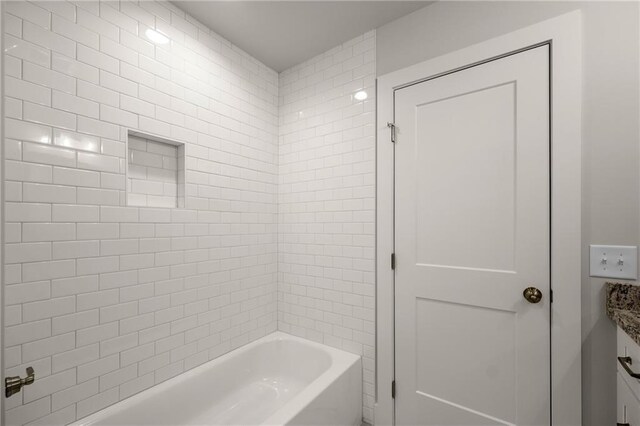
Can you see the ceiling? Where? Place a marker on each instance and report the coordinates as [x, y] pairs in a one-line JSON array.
[[285, 33]]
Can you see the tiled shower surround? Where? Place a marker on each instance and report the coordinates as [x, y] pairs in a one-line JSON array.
[[326, 191], [105, 300]]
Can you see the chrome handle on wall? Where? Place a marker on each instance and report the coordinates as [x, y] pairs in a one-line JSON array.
[[626, 361], [15, 383]]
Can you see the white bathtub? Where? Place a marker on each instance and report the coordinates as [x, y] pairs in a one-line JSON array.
[[276, 380]]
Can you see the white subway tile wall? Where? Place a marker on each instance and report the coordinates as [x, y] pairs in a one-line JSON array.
[[105, 300], [326, 193], [152, 174]]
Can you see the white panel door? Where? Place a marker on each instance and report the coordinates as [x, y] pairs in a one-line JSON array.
[[472, 232]]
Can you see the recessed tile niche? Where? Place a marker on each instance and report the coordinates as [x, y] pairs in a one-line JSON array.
[[155, 171]]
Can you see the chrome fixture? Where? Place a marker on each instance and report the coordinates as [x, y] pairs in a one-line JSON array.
[[15, 383]]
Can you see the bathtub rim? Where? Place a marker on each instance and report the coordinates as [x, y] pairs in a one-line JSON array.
[[341, 361]]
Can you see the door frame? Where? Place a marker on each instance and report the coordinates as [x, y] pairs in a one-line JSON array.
[[564, 36]]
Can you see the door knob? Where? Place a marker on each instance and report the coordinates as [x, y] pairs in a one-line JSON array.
[[15, 383], [532, 294]]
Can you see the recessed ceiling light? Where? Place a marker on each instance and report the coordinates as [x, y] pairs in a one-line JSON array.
[[156, 37], [361, 95]]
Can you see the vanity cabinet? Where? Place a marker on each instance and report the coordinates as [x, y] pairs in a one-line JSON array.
[[628, 387]]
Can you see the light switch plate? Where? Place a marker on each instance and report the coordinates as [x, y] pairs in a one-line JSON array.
[[614, 262]]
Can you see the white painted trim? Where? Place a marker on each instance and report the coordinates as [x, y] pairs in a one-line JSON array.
[[565, 35]]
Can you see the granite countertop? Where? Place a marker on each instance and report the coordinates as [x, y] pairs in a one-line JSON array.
[[623, 306]]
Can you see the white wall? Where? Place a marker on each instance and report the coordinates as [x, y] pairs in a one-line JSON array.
[[610, 127], [326, 244], [105, 300]]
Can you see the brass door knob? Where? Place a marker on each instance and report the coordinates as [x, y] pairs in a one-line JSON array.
[[532, 294]]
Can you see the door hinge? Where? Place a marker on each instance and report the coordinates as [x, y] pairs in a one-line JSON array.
[[393, 261], [392, 126], [393, 389]]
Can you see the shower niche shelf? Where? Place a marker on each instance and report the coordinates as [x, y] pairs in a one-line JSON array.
[[155, 171]]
